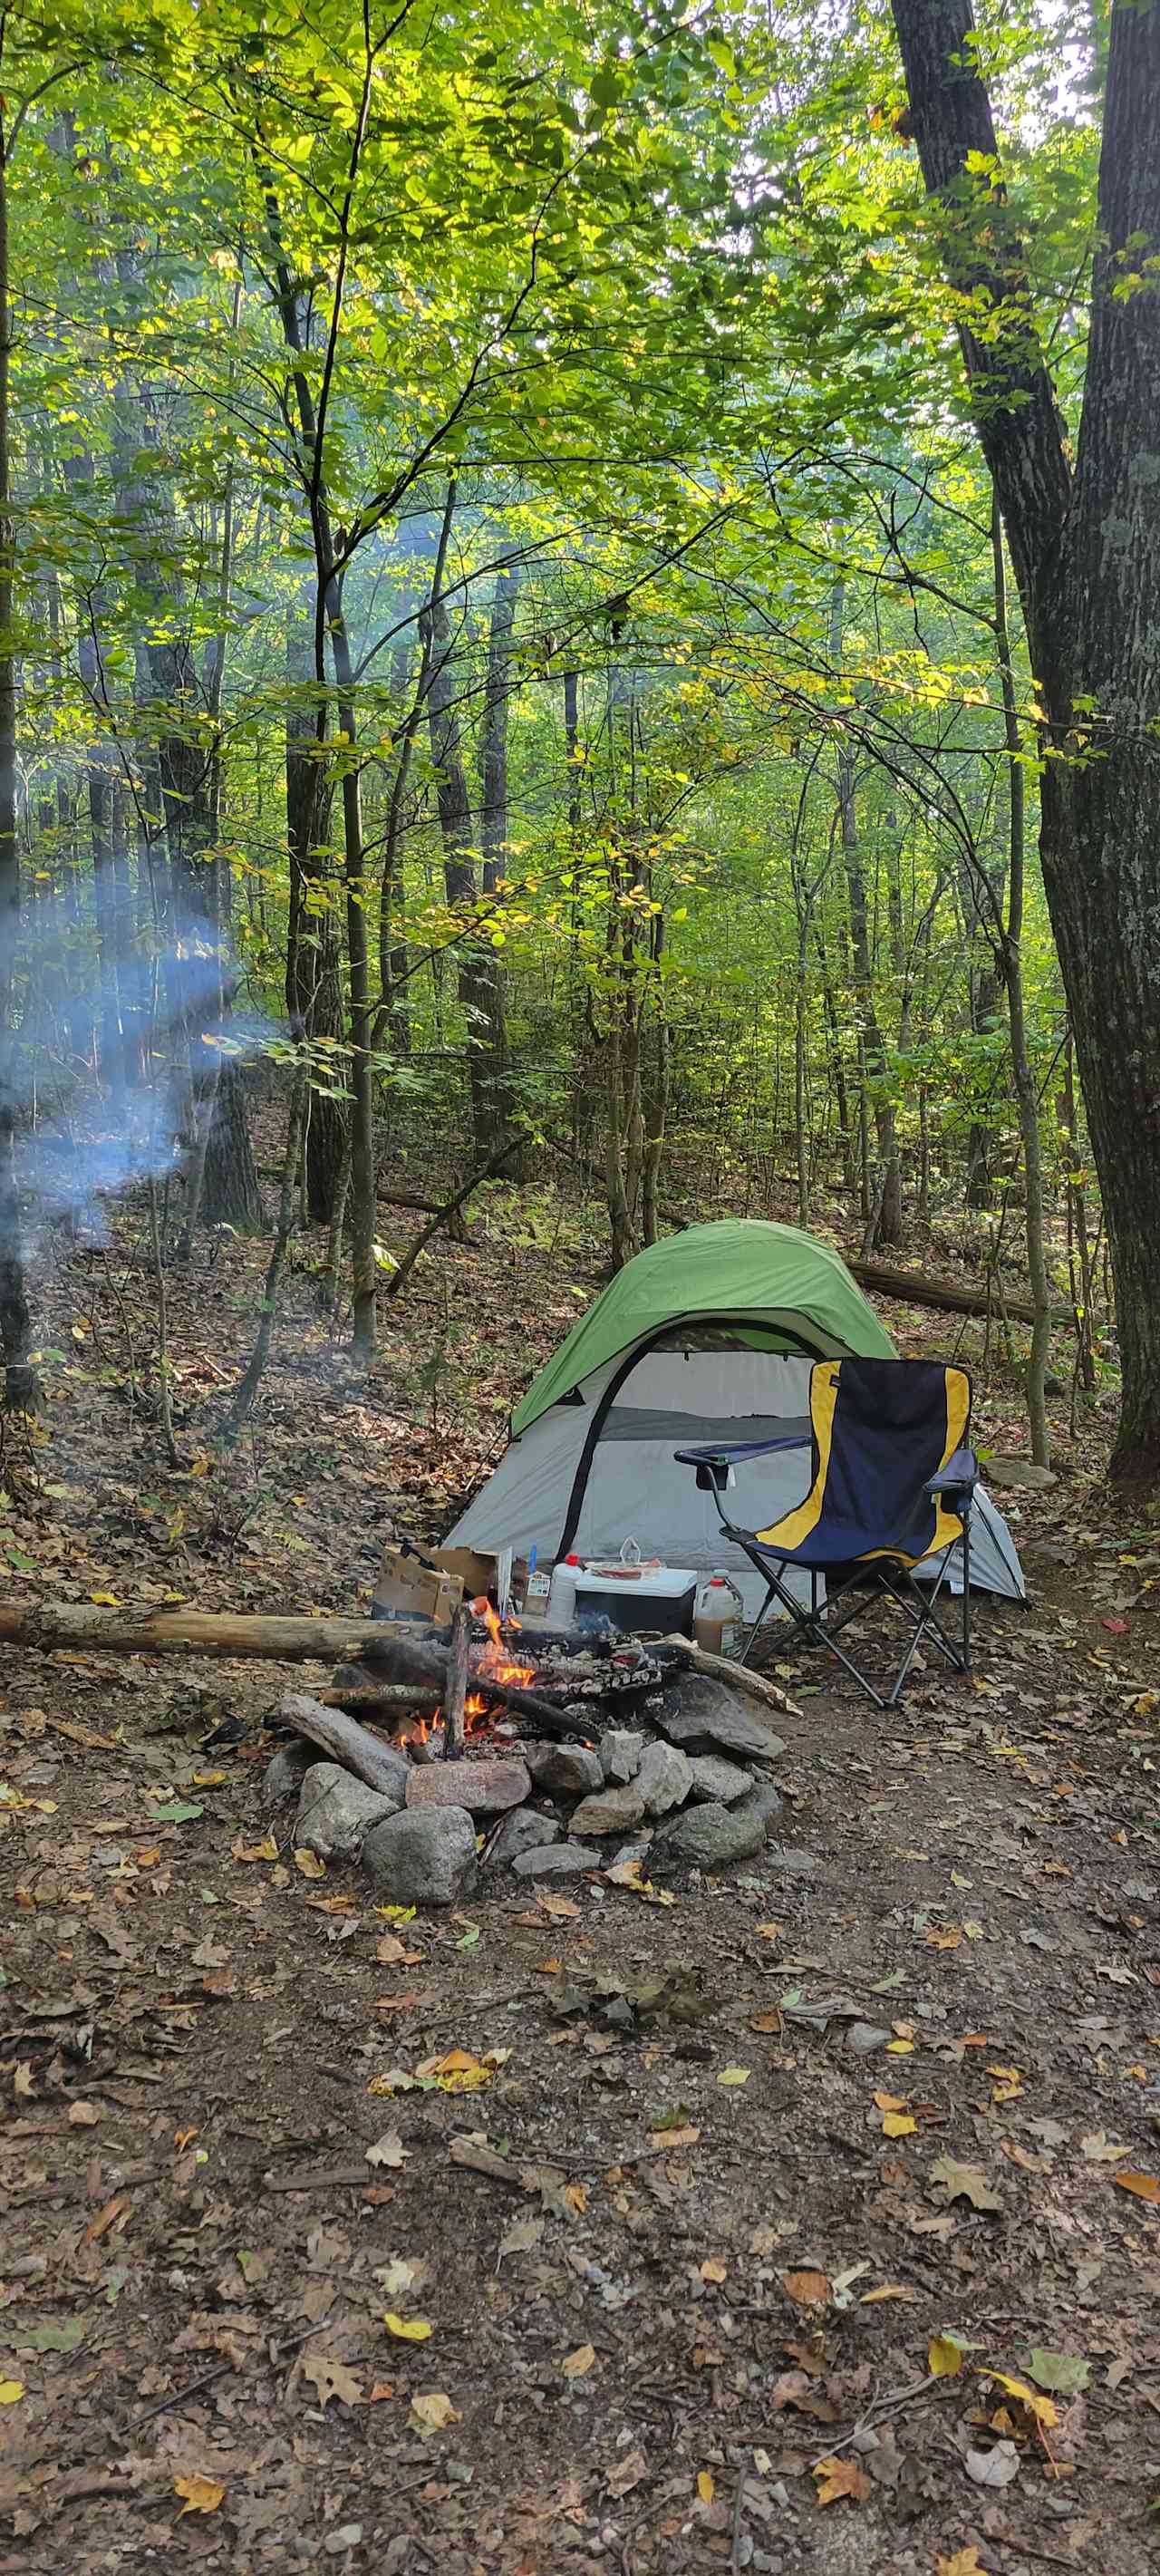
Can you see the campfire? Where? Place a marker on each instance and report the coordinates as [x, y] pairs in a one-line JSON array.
[[560, 1751]]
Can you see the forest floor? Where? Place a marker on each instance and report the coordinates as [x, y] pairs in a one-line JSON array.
[[700, 2335]]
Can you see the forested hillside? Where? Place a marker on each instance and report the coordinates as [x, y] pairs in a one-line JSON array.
[[515, 632]]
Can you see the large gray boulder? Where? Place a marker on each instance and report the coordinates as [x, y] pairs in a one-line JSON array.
[[568, 1770], [524, 1830], [705, 1717], [713, 1777], [422, 1856], [664, 1779], [711, 1836], [336, 1811], [558, 1860], [611, 1811], [764, 1803]]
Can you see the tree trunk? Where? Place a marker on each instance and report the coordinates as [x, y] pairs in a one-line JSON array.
[[885, 1209], [313, 955], [1086, 555], [480, 980], [20, 1380]]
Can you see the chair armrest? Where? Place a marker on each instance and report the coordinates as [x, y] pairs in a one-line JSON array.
[[959, 1476]]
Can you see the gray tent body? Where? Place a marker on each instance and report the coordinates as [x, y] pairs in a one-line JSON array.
[[598, 1469]]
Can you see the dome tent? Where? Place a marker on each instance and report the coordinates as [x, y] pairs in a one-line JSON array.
[[708, 1335]]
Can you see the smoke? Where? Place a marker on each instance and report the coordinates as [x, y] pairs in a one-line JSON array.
[[110, 1072]]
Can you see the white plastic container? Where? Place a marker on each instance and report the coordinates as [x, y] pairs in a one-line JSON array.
[[566, 1574], [719, 1615], [642, 1598]]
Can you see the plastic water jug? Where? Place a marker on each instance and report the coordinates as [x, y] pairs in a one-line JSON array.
[[719, 1615]]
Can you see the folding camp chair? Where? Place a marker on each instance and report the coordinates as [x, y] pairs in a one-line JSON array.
[[891, 1485]]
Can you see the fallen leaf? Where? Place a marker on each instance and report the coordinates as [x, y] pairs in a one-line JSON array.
[[966, 2562], [714, 2270], [994, 2468], [734, 2075], [889, 2290], [898, 2124], [667, 2138], [766, 2021], [1145, 2186], [705, 2486], [948, 1940], [1065, 2373], [265, 1850], [621, 2480], [387, 2150], [394, 1913], [202, 2495], [62, 2338], [431, 2411], [626, 1873], [521, 2237], [806, 2289], [83, 2115], [390, 1953], [11, 2392], [330, 2379], [576, 2363], [769, 1931], [1041, 2407], [407, 2329], [944, 2357], [309, 1864], [963, 2182], [837, 2477], [562, 1909]]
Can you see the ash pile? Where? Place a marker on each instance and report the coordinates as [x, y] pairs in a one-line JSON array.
[[546, 1756]]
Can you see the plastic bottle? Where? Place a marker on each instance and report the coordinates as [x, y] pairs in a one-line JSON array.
[[719, 1615], [562, 1597]]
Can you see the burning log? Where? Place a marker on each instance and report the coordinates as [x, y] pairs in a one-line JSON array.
[[455, 1688]]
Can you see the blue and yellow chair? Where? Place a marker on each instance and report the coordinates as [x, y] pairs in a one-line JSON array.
[[891, 1484]]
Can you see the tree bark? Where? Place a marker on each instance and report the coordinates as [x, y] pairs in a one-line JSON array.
[[20, 1380], [481, 990], [313, 955], [1086, 555]]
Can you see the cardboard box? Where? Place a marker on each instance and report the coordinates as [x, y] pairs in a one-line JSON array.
[[408, 1590], [481, 1572]]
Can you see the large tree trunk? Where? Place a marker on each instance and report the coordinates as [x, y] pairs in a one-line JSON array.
[[885, 1214], [313, 954], [1086, 553], [15, 1330], [480, 979]]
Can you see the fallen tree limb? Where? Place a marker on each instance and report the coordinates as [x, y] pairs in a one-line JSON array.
[[268, 1634], [946, 1296], [344, 1740], [718, 1668]]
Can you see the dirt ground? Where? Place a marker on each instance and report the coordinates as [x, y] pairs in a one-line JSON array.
[[762, 2250]]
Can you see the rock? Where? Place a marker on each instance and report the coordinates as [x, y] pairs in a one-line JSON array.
[[620, 1752], [712, 1836], [485, 1788], [557, 1860], [713, 1778], [524, 1830], [863, 2037], [336, 1812], [612, 1811], [705, 1717], [638, 1849], [422, 1856], [568, 1770], [282, 1777], [763, 1803], [793, 1864], [664, 1779]]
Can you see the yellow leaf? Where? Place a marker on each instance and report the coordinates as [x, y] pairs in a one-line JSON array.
[[1144, 2185], [208, 1779], [889, 2102], [837, 2478], [944, 1940], [11, 2392], [576, 2363], [966, 2562], [626, 1873], [806, 2289], [944, 2358], [396, 1914], [734, 2075], [265, 1850], [889, 2290], [106, 1600], [407, 2329], [431, 2411], [769, 1931], [309, 1864], [705, 2487], [900, 2047], [898, 2124], [202, 2495], [1044, 2411]]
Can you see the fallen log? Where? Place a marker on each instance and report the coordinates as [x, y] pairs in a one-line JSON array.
[[946, 1296], [719, 1668], [344, 1740], [83, 1628]]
